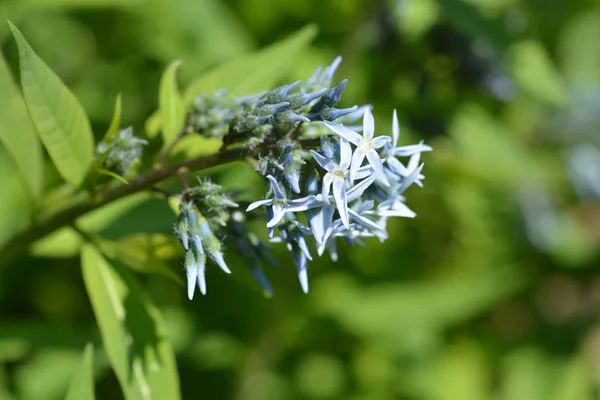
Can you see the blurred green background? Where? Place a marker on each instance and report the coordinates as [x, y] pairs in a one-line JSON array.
[[492, 292]]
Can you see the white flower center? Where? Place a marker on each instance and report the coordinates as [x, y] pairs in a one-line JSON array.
[[366, 145]]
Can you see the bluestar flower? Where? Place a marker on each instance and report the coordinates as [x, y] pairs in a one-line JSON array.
[[395, 168], [403, 151], [336, 176], [320, 219], [280, 204], [366, 145]]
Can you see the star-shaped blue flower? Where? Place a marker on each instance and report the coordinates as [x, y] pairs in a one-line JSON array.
[[336, 176], [366, 145], [280, 204]]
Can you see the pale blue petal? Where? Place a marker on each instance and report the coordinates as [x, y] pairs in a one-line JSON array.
[[278, 214], [192, 276], [377, 165], [345, 154], [409, 179], [367, 223], [324, 162], [259, 203], [413, 162], [302, 204], [357, 160], [294, 181], [344, 132], [357, 190], [276, 189], [301, 266], [339, 194], [202, 279], [320, 221], [405, 151], [380, 141], [363, 172], [327, 180], [217, 257], [304, 247], [395, 129], [368, 124], [397, 167]]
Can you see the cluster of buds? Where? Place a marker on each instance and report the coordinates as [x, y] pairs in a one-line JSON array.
[[121, 152], [212, 203], [198, 241], [211, 114], [269, 115]]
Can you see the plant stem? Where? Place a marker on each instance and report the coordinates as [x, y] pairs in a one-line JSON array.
[[146, 181]]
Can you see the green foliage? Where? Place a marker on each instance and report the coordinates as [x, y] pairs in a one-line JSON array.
[[132, 330], [82, 385], [172, 111], [61, 122], [461, 303]]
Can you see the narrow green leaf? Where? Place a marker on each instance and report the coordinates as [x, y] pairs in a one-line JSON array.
[[132, 329], [255, 72], [172, 111], [60, 120], [116, 121], [112, 174], [249, 73], [17, 134], [82, 385]]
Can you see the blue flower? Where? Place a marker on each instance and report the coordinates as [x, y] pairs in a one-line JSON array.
[[366, 145], [280, 204], [336, 176]]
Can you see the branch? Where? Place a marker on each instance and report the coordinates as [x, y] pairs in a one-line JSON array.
[[147, 181]]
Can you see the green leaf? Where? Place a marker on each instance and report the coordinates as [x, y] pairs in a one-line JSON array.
[[172, 111], [132, 329], [82, 385], [145, 253], [61, 122], [116, 121], [255, 72], [532, 68], [133, 214], [14, 212], [118, 177], [17, 134], [250, 73]]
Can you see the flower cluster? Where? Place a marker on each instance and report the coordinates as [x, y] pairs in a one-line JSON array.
[[122, 151], [326, 180], [355, 182]]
